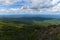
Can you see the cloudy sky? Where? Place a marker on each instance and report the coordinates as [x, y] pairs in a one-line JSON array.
[[29, 6]]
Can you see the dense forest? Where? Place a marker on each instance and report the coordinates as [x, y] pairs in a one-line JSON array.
[[35, 30]]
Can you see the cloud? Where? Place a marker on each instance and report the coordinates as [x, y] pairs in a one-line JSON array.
[[55, 9], [47, 5], [32, 6], [8, 2], [19, 11]]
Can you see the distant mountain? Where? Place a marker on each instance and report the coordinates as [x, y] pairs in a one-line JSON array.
[[25, 18], [29, 17], [26, 15]]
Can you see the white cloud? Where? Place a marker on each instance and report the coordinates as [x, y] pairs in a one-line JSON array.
[[55, 1], [18, 10], [35, 6], [54, 5], [55, 8], [8, 2], [38, 5]]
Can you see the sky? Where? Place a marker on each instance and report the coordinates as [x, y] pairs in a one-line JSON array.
[[29, 6]]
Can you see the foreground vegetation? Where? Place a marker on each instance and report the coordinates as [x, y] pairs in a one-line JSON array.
[[36, 30]]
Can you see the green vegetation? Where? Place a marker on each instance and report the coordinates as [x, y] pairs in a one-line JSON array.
[[36, 30]]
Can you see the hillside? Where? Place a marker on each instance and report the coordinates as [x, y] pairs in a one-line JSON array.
[[36, 30]]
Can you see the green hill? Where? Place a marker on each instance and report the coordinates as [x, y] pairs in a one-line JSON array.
[[36, 30]]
